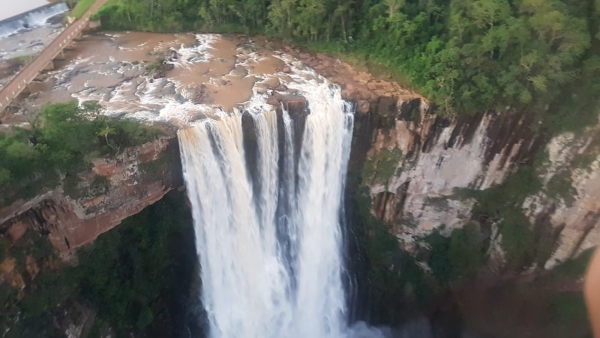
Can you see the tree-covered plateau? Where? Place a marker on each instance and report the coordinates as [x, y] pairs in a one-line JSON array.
[[467, 56]]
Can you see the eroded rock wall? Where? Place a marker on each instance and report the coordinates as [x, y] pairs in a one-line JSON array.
[[416, 161], [75, 214], [432, 156], [570, 200]]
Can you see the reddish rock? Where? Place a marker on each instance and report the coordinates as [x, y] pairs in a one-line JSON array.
[[272, 82], [356, 85], [105, 169], [9, 275], [17, 230]]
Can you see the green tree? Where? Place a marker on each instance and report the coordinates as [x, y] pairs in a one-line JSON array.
[[281, 14]]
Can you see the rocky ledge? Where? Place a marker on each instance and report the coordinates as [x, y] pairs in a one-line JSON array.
[[114, 189]]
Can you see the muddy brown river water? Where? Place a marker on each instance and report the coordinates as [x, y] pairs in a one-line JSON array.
[[208, 74]]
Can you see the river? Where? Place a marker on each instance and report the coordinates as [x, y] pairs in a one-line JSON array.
[[208, 72], [25, 29], [11, 8]]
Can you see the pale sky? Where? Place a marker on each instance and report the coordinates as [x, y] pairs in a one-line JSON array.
[[10, 8]]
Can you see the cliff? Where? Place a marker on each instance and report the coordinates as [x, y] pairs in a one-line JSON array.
[[418, 164], [84, 207], [570, 202]]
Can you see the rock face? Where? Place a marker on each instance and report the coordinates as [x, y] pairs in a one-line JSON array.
[[570, 202], [416, 160], [116, 188], [412, 161]]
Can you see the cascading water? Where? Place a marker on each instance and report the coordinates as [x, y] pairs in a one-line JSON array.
[[35, 18], [266, 191]]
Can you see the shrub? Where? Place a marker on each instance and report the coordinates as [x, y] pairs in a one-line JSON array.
[[68, 138], [454, 259]]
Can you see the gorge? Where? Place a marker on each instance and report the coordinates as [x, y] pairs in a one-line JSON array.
[[262, 170]]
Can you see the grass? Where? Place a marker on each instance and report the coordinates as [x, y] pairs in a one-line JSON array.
[[81, 7]]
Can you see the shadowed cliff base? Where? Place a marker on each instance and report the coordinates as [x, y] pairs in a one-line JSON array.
[[140, 278]]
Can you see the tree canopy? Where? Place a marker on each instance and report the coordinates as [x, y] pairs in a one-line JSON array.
[[466, 55]]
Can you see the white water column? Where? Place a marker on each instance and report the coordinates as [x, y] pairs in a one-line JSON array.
[[267, 273]]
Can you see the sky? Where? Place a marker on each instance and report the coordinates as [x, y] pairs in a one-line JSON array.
[[10, 8]]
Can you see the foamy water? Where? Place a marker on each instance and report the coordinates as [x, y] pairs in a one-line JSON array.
[[29, 20], [268, 229], [107, 70], [123, 89]]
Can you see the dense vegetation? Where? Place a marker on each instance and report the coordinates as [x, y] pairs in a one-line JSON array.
[[397, 287], [61, 141], [134, 276], [466, 55], [455, 259]]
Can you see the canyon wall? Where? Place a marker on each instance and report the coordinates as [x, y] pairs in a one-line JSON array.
[[418, 163], [570, 202], [415, 163], [85, 207], [411, 161]]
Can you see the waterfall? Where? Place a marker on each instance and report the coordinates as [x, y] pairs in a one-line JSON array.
[[34, 18], [266, 190]]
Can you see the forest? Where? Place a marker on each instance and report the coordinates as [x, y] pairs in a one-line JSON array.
[[467, 56], [138, 277]]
